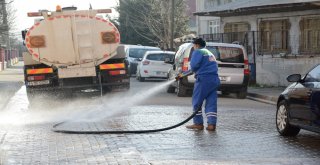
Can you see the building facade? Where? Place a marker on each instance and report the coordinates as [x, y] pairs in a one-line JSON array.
[[282, 37]]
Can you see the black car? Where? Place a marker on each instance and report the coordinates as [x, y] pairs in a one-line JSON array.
[[298, 105]]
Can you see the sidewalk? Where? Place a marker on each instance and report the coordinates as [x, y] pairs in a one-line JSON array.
[[11, 79], [13, 73], [267, 95]]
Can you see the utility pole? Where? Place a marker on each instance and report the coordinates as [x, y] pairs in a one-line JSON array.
[[172, 25], [6, 28]]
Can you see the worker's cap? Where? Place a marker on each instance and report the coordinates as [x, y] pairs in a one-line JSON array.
[[199, 41]]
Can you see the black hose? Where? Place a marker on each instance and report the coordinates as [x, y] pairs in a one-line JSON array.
[[54, 129]]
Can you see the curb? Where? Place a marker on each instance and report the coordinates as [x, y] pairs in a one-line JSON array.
[[15, 87], [262, 98]]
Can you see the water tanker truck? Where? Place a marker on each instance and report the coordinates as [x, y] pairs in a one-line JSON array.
[[73, 50]]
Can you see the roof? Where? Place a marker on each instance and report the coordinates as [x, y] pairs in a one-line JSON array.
[[160, 51], [141, 47], [215, 44], [248, 7]]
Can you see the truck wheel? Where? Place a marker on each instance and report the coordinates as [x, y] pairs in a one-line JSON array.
[[282, 121], [171, 89], [181, 90], [242, 94]]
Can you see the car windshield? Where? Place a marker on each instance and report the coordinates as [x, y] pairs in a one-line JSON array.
[[139, 52], [227, 54], [313, 75], [160, 57]]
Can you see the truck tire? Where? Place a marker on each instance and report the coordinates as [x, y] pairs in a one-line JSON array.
[[181, 90]]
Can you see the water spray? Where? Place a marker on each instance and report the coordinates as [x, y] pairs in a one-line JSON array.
[[179, 76]]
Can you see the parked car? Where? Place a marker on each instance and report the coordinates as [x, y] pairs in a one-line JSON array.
[[233, 69], [134, 54], [153, 65], [298, 105]]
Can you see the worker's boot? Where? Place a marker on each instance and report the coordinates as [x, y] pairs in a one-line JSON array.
[[211, 127], [195, 126]]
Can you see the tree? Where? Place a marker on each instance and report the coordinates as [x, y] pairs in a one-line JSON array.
[[7, 16], [149, 21]]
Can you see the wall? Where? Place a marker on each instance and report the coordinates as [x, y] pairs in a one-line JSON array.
[[203, 24], [192, 21], [203, 21], [274, 71]]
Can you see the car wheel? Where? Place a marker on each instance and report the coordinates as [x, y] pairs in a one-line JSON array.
[[171, 89], [225, 93], [242, 94], [141, 79], [282, 121], [181, 90]]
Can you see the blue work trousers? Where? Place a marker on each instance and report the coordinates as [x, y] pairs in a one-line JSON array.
[[205, 88]]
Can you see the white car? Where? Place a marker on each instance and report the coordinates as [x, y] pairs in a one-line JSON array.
[[153, 65], [134, 53]]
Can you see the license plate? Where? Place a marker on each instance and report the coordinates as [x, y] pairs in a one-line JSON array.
[[36, 83], [160, 73], [222, 78]]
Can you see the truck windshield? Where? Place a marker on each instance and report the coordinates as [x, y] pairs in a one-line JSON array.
[[227, 54], [138, 52]]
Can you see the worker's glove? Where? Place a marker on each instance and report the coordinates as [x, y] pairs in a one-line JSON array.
[[179, 76]]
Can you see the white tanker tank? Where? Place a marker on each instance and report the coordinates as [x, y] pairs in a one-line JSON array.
[[73, 46]]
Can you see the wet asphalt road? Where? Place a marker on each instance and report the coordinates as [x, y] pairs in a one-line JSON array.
[[246, 132]]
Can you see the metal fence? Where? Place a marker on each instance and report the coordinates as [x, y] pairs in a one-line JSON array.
[[276, 43], [279, 44], [8, 57]]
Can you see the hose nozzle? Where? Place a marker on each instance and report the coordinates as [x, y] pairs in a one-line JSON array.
[[184, 74]]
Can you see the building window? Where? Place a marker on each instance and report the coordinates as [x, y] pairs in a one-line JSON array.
[[214, 27], [218, 2], [227, 1], [274, 36], [310, 35], [208, 4], [235, 32]]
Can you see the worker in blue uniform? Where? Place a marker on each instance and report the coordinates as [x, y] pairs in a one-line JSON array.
[[204, 65]]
